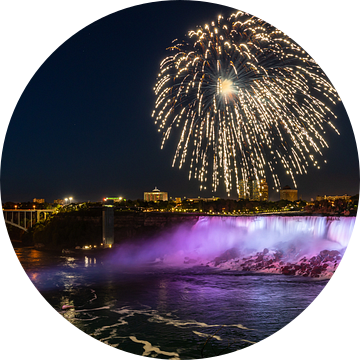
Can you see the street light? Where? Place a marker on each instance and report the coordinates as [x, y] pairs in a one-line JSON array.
[[70, 199]]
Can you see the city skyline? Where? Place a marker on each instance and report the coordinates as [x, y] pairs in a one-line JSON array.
[[173, 197], [83, 132]]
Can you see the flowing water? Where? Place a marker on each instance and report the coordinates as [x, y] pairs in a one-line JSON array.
[[183, 311]]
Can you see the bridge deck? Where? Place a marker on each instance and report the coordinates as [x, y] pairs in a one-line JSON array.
[[20, 218]]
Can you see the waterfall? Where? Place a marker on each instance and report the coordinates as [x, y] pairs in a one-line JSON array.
[[268, 231], [244, 235]]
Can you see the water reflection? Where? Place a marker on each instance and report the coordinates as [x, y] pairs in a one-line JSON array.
[[174, 311]]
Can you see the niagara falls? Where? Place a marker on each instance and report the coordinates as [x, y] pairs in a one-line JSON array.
[[297, 245]]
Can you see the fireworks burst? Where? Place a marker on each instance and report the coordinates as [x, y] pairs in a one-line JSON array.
[[246, 100]]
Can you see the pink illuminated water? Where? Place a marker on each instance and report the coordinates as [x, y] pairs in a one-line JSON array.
[[187, 294], [213, 235]]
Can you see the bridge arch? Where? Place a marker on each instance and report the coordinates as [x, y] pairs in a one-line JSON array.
[[24, 218], [16, 225]]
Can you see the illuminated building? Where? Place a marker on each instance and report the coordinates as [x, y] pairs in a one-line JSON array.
[[202, 199], [39, 201], [287, 193], [256, 190], [114, 199], [332, 198], [264, 190], [59, 201], [156, 195]]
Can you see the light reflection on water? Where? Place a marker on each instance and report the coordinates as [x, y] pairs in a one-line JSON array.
[[169, 312]]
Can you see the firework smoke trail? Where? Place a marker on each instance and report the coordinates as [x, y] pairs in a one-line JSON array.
[[246, 99]]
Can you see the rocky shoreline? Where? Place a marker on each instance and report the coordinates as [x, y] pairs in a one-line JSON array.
[[321, 265]]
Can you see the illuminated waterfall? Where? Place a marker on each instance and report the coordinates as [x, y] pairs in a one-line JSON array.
[[213, 235]]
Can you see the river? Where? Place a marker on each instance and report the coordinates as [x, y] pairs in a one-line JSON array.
[[178, 313]]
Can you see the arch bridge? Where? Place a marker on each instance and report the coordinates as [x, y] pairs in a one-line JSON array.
[[25, 218]]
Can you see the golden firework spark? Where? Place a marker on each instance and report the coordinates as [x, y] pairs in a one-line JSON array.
[[245, 100]]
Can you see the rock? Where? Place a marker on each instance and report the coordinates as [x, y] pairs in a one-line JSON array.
[[287, 271], [190, 261], [228, 255], [218, 261], [317, 269]]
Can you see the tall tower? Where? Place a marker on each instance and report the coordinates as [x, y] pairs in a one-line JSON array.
[[108, 223], [264, 190]]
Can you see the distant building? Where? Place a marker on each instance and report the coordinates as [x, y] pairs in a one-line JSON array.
[[114, 199], [264, 190], [345, 197], [39, 201], [156, 195], [331, 198], [178, 200], [256, 190], [59, 201], [202, 199], [287, 193]]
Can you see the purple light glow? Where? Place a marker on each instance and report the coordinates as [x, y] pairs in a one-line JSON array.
[[246, 236]]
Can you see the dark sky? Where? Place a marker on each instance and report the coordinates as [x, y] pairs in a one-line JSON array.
[[83, 125]]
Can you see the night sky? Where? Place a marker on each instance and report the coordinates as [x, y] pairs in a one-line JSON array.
[[83, 125]]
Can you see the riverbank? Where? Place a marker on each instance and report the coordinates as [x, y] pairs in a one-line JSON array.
[[98, 253]]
